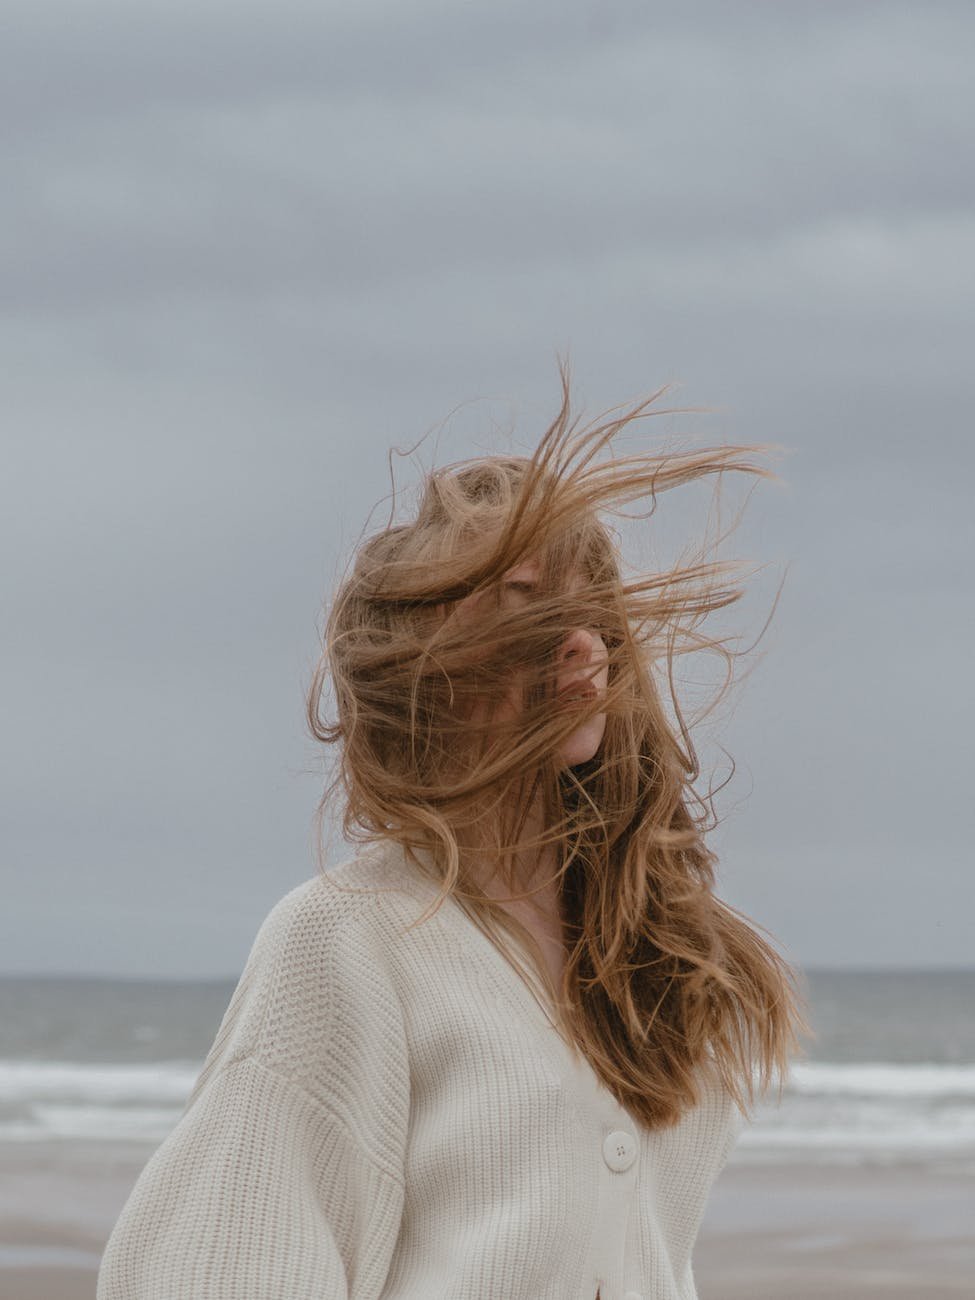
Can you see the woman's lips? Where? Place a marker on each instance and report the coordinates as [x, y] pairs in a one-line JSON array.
[[578, 693]]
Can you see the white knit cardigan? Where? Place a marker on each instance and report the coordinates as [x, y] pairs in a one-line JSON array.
[[393, 1115]]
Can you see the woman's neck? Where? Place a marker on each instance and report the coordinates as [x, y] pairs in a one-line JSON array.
[[532, 868]]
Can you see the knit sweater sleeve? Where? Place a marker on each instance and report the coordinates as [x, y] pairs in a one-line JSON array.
[[283, 1178]]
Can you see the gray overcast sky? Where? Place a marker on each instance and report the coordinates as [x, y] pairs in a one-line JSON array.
[[245, 248]]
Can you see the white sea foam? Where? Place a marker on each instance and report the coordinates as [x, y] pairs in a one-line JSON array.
[[102, 1123], [37, 1080], [850, 1112], [904, 1134], [882, 1080], [830, 1111], [41, 1100]]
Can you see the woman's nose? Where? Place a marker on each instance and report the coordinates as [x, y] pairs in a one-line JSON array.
[[579, 643]]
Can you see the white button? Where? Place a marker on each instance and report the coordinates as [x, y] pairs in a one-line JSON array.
[[633, 1295], [619, 1150]]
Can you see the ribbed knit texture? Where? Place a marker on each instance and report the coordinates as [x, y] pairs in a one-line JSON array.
[[393, 1115]]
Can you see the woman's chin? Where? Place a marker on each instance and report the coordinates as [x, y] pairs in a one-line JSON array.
[[583, 744]]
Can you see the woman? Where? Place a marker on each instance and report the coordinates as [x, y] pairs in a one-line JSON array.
[[502, 1051]]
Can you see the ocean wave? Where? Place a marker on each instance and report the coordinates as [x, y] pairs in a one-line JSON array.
[[909, 1134], [881, 1079], [164, 1081], [830, 1110]]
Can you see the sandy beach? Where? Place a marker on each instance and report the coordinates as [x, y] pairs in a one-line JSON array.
[[801, 1232], [790, 1232]]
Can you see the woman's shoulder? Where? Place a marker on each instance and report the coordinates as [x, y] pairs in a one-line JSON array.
[[364, 891], [348, 903], [319, 984], [338, 927]]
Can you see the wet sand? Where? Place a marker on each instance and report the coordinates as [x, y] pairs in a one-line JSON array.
[[807, 1232], [788, 1232]]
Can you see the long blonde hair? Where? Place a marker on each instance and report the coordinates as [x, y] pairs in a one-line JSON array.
[[663, 980]]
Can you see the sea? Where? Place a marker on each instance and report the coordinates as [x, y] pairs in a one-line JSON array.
[[888, 1077]]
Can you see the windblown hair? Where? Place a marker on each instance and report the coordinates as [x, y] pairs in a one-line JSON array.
[[664, 981]]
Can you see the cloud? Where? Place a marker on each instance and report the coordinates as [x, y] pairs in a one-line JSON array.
[[246, 249]]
